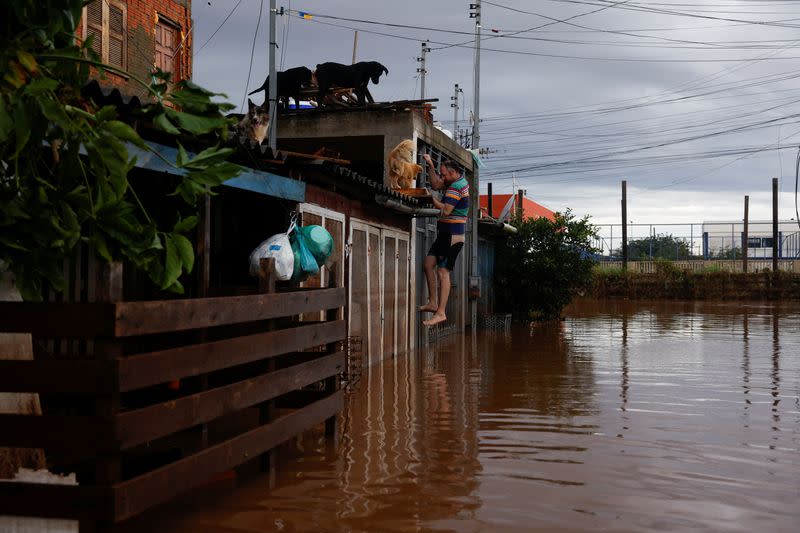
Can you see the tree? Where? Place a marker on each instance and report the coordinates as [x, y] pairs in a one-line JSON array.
[[544, 265], [658, 246], [64, 161]]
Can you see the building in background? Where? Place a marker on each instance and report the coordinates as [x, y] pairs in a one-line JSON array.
[[530, 208], [725, 239]]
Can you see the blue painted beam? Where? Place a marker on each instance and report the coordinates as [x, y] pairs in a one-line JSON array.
[[250, 179]]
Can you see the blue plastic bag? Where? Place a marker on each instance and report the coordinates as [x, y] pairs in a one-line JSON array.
[[304, 262]]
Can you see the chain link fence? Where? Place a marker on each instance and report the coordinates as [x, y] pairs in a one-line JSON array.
[[698, 241]]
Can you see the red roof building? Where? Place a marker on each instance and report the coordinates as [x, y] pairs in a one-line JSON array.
[[529, 207]]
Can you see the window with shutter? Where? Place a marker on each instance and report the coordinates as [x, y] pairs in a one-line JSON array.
[[116, 36], [94, 25], [167, 56], [106, 21]]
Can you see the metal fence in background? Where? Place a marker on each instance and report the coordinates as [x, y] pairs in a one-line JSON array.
[[702, 240]]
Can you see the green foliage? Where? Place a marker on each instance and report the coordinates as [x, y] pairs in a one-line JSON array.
[[711, 269], [666, 267], [544, 265], [65, 164], [663, 246], [725, 253], [601, 269]]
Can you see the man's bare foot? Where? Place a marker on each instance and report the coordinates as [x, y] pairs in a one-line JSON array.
[[438, 318], [428, 308]]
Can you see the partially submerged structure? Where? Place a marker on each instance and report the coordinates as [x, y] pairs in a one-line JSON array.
[[390, 242], [145, 395]]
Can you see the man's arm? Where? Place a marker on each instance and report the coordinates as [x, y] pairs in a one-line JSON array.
[[436, 180], [446, 209]]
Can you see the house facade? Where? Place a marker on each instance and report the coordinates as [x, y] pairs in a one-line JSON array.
[[137, 36], [385, 246]]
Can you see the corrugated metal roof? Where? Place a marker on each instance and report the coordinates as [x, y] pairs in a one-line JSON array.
[[369, 183], [110, 96]]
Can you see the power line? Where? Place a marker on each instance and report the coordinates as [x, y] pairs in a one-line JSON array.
[[252, 53], [219, 27]]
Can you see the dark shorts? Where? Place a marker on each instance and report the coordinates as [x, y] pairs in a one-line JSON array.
[[445, 251]]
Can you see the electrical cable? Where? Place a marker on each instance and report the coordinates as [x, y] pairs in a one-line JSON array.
[[252, 53], [285, 36], [796, 182], [219, 27]]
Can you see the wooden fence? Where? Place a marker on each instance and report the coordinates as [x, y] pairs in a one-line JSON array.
[[171, 394]]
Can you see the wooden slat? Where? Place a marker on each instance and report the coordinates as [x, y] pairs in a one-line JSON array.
[[57, 320], [61, 433], [143, 492], [81, 378], [150, 423], [159, 367], [54, 501], [142, 318]]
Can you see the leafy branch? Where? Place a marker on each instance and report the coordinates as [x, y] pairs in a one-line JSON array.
[[65, 168]]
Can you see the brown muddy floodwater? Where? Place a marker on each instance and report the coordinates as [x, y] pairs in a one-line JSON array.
[[624, 417]]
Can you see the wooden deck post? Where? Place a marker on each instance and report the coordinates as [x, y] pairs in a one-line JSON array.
[[105, 281], [266, 411], [332, 383]]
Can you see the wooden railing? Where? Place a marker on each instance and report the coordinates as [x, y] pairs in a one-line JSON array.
[[157, 377]]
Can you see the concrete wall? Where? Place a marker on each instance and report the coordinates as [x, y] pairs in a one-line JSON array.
[[393, 126]]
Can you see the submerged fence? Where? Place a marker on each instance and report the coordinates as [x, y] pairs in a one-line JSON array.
[[152, 398]]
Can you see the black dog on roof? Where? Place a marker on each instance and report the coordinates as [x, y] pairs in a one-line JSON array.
[[289, 84], [354, 77]]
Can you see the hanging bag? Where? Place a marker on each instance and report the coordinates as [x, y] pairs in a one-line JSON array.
[[278, 247], [305, 264]]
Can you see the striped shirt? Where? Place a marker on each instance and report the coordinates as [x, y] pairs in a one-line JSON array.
[[457, 195]]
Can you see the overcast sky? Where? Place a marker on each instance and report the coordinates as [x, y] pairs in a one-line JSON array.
[[693, 110]]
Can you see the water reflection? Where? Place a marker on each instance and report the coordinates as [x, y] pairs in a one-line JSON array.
[[636, 416]]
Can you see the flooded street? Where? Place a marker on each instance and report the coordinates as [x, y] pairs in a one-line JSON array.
[[627, 416]]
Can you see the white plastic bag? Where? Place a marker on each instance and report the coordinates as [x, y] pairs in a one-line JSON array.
[[279, 248]]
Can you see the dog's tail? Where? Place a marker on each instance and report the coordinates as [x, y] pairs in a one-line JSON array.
[[264, 87]]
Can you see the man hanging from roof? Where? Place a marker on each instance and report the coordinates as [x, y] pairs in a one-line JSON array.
[[450, 233]]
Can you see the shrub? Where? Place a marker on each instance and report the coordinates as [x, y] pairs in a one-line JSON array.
[[544, 265]]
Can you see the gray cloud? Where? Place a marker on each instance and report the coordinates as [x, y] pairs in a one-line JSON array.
[[677, 182]]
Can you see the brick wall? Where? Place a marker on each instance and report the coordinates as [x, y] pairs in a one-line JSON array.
[[142, 16]]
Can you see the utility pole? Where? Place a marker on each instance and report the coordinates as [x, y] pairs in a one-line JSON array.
[[355, 46], [774, 225], [422, 71], [745, 236], [454, 105], [474, 281], [624, 225], [273, 78]]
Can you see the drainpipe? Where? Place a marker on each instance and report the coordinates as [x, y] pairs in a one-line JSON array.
[[402, 208]]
